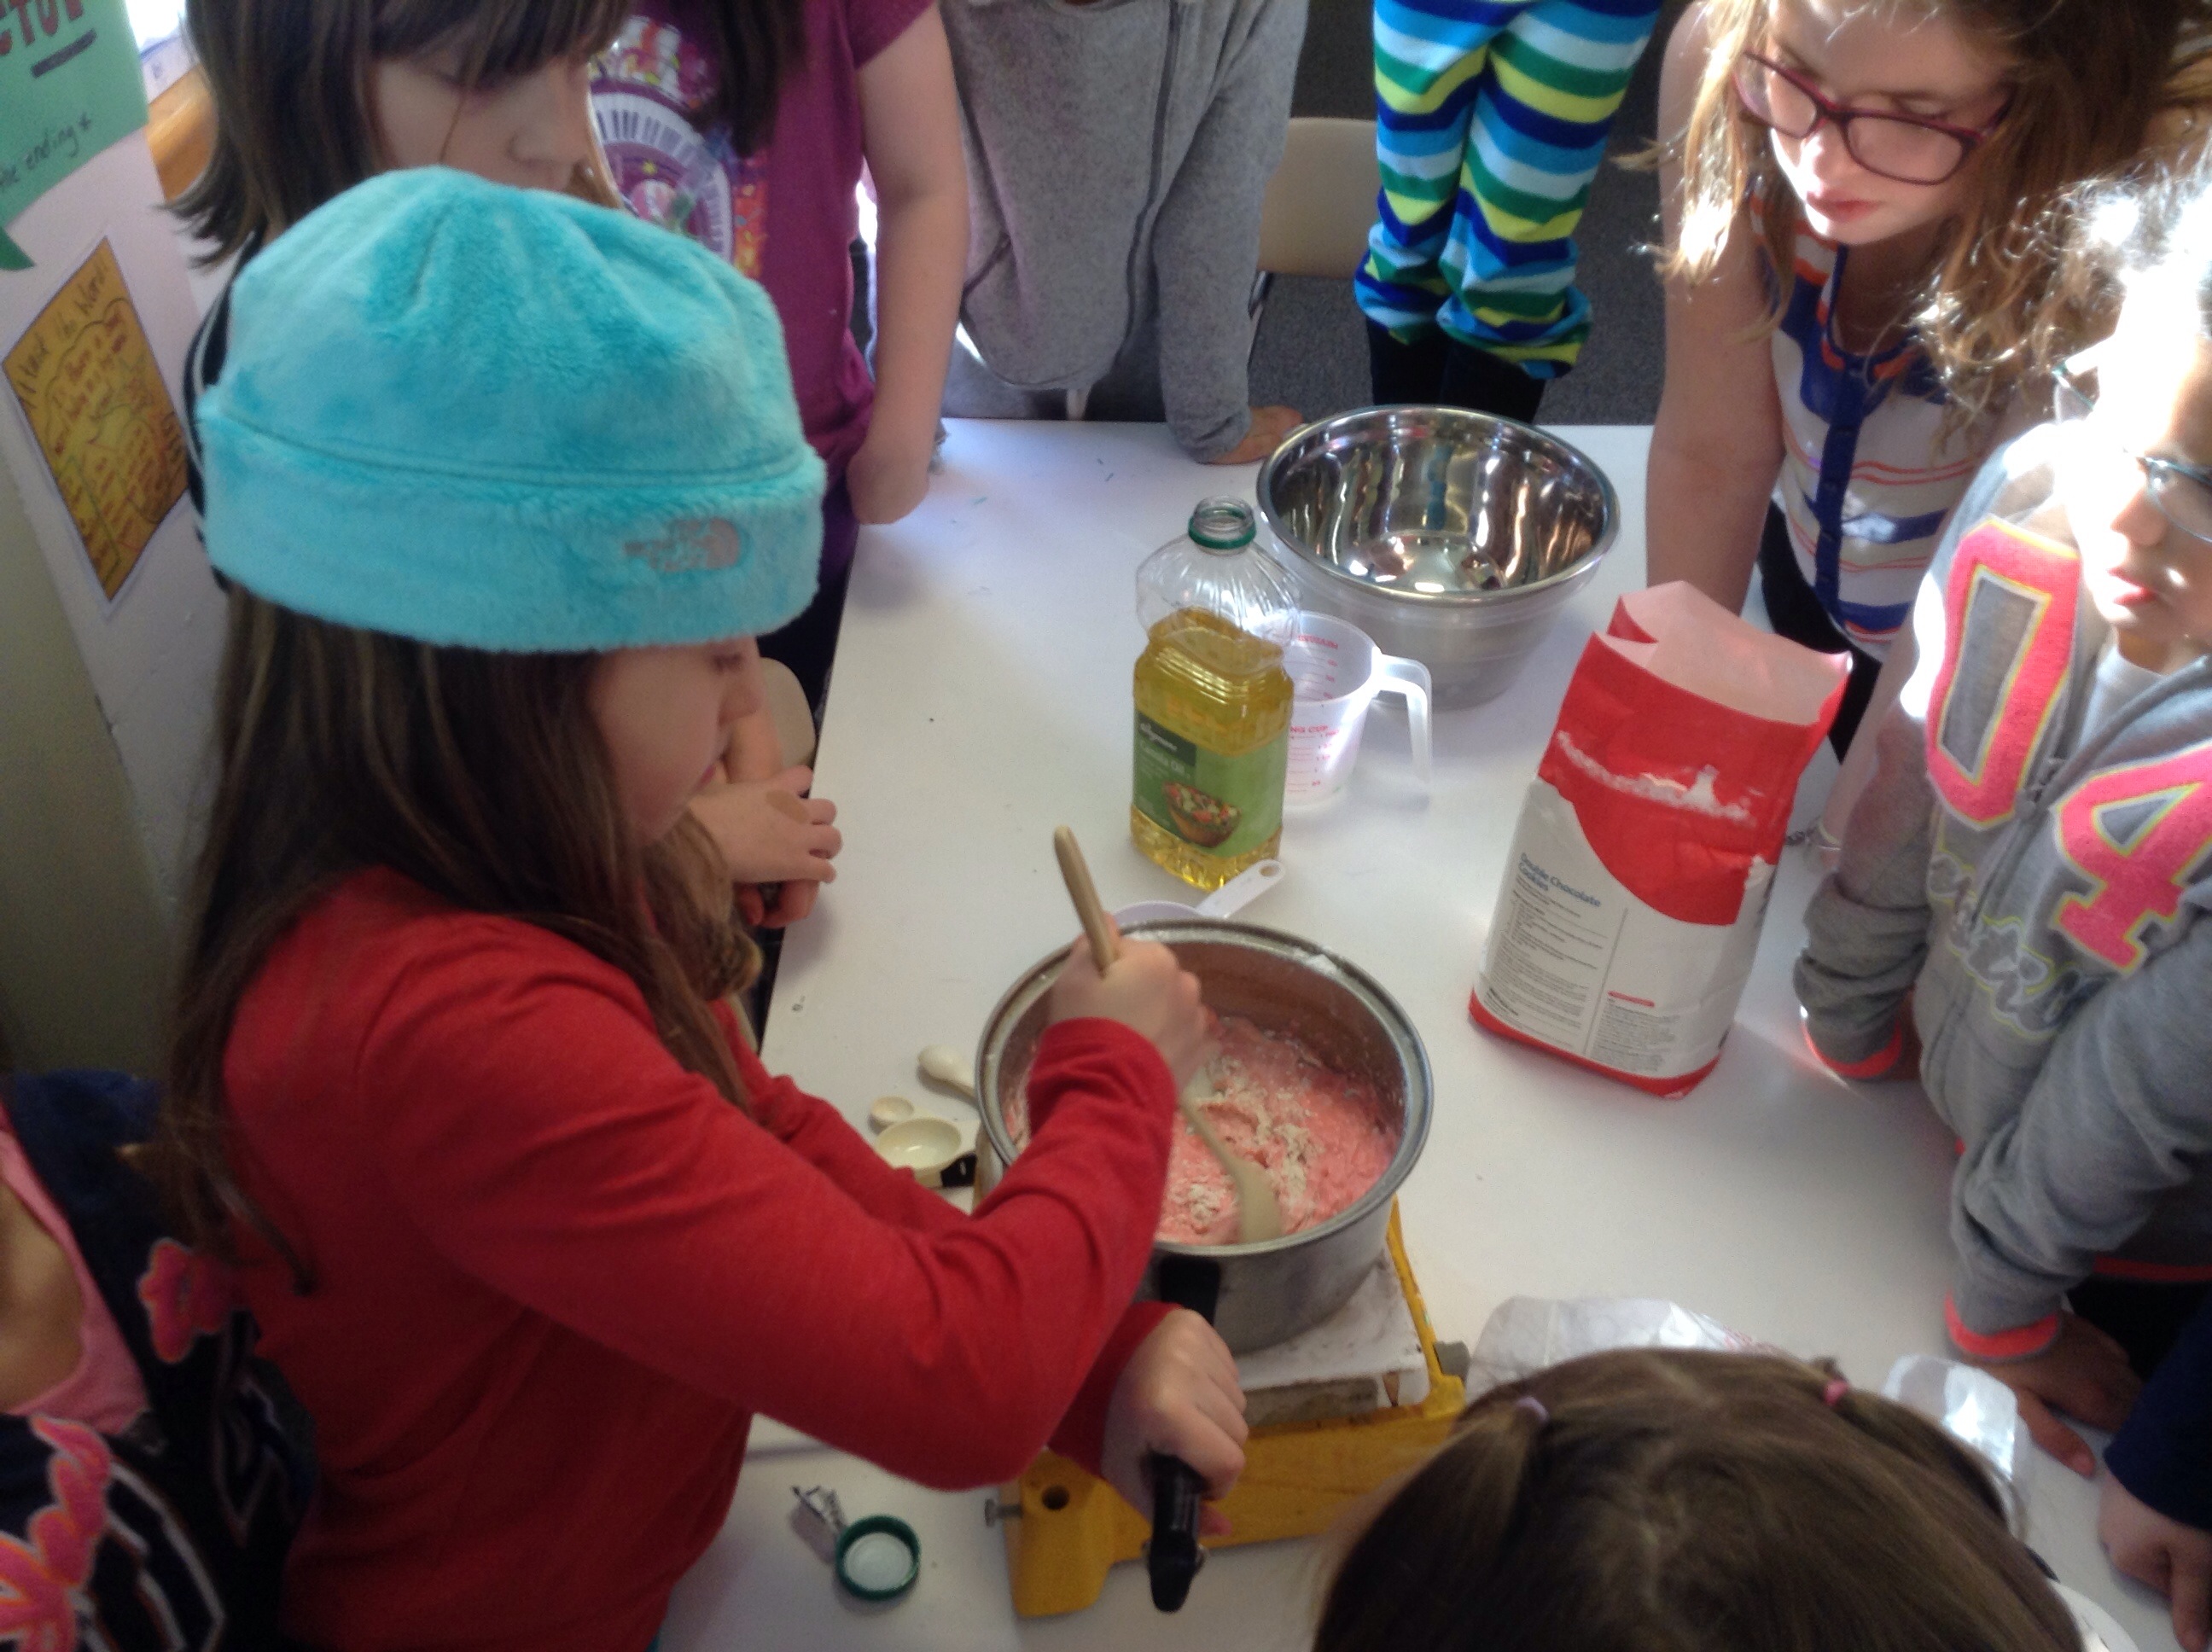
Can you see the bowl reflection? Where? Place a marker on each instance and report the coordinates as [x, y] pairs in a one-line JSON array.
[[1454, 535], [1437, 502]]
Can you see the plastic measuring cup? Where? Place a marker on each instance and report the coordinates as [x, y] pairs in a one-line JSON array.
[[1232, 897], [1336, 670]]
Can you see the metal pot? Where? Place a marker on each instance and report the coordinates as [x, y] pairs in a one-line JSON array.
[[1268, 1292], [1451, 537]]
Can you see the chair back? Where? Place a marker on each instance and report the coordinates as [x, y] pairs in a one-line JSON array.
[[1321, 202]]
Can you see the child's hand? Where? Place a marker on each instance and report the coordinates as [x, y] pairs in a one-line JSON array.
[[768, 832], [1269, 426], [889, 474], [2174, 1560], [777, 905], [755, 751], [2084, 1374], [1146, 990], [1178, 1396]]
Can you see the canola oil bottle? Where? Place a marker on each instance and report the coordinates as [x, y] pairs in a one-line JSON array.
[[1213, 701]]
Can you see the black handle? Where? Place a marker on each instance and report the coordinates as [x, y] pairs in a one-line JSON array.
[[1172, 1557]]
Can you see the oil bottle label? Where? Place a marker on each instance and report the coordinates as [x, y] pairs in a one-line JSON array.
[[1224, 806]]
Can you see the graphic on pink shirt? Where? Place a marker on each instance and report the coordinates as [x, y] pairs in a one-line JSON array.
[[41, 1579], [186, 1297], [646, 86]]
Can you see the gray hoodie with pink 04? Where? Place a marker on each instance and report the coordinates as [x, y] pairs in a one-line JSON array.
[[1117, 154], [2026, 875]]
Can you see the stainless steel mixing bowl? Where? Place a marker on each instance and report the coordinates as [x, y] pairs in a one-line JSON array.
[[1448, 535], [1268, 1292]]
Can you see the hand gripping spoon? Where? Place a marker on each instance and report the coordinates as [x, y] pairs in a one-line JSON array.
[[1258, 1217], [1172, 1557]]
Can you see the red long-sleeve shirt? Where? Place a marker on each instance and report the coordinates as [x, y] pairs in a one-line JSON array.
[[555, 1274]]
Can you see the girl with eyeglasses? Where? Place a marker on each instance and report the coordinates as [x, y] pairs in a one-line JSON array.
[[1861, 204], [2020, 910]]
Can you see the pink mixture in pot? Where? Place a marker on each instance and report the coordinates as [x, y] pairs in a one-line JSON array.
[[1323, 1139]]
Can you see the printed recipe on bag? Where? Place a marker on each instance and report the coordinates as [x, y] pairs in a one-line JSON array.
[[1576, 960]]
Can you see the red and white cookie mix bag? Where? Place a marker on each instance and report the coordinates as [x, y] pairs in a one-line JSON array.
[[1639, 872]]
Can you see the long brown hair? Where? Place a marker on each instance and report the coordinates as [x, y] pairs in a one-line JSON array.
[[759, 43], [2086, 78], [289, 79], [481, 777], [1690, 1501]]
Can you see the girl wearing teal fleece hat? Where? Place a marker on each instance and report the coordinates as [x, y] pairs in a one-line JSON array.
[[314, 97], [525, 1225], [446, 415]]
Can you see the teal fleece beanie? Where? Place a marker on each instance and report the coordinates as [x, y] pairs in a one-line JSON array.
[[507, 420]]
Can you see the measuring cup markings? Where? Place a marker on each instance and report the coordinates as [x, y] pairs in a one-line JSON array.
[[1336, 673]]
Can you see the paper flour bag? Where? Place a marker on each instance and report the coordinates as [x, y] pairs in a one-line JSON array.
[[1638, 875]]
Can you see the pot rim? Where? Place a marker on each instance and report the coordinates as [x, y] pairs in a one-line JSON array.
[[1305, 558], [1420, 1093]]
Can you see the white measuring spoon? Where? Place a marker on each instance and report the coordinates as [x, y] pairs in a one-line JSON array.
[[1232, 897], [946, 1066]]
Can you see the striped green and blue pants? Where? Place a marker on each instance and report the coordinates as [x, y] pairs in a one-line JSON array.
[[1490, 120]]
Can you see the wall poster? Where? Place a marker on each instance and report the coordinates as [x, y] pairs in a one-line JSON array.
[[86, 378]]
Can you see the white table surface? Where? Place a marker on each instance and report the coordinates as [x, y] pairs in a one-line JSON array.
[[982, 695]]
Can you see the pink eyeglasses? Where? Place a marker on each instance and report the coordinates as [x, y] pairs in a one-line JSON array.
[[1907, 148]]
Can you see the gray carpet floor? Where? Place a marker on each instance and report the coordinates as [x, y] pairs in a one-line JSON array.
[[1312, 348]]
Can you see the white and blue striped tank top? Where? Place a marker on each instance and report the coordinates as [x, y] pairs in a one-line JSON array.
[[1869, 473]]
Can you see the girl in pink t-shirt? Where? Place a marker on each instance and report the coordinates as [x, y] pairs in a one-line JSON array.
[[747, 126]]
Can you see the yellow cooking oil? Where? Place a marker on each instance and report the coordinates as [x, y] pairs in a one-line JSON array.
[[1226, 691], [1212, 701]]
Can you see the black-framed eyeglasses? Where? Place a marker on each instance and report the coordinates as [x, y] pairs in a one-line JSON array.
[[2182, 493], [1905, 148]]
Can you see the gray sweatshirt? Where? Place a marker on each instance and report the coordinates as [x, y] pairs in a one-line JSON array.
[[1117, 152], [2036, 886]]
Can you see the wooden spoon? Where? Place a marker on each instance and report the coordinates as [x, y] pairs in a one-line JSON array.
[[1258, 1217]]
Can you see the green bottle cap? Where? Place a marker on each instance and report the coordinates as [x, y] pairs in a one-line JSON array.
[[879, 1557], [1221, 524]]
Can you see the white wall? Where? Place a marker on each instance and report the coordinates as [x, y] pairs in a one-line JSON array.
[[155, 19], [146, 659], [83, 945]]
